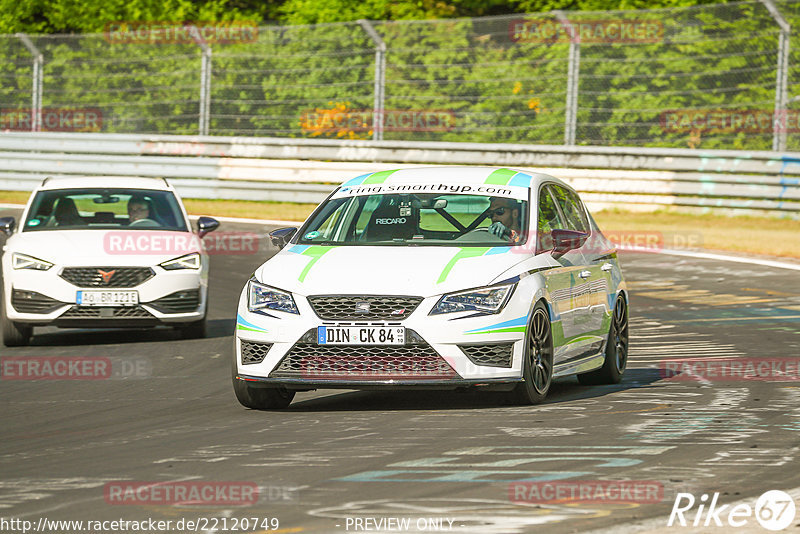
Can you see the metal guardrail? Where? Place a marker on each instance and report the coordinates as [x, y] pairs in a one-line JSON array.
[[306, 170]]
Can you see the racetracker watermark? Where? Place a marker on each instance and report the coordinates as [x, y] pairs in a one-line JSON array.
[[352, 364], [641, 241], [52, 119], [633, 240], [365, 120], [731, 369], [74, 368], [183, 493], [172, 32], [156, 242], [553, 30], [194, 524], [600, 491], [730, 121], [773, 510]]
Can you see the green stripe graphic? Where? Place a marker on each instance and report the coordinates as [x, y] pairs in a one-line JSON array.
[[471, 252], [500, 177], [378, 177], [242, 327], [499, 330], [316, 253]]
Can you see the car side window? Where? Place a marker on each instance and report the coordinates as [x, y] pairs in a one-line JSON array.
[[548, 220], [572, 209], [328, 221]]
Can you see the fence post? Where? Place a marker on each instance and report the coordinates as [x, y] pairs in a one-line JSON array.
[[781, 78], [38, 74], [380, 79], [205, 80], [573, 77]]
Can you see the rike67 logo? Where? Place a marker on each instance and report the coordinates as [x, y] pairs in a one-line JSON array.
[[774, 510]]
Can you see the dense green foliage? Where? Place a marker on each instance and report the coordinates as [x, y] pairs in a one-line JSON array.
[[493, 86], [72, 16]]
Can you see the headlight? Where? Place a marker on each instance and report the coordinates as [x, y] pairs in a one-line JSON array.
[[487, 299], [21, 261], [261, 297], [190, 261]]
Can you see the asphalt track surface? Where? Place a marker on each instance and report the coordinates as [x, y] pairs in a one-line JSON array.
[[334, 456]]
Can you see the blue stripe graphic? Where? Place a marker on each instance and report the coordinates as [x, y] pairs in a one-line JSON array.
[[519, 321], [244, 322], [521, 180], [358, 180]]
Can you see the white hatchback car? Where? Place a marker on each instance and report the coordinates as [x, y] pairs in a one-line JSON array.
[[96, 252], [434, 278]]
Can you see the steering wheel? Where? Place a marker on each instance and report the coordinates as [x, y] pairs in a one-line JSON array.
[[144, 222], [475, 231]]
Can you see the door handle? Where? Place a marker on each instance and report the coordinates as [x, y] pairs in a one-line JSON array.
[[585, 274], [606, 267]]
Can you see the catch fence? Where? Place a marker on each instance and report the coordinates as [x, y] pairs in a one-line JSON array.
[[722, 76]]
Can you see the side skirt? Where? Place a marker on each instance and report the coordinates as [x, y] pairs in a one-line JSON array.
[[576, 367]]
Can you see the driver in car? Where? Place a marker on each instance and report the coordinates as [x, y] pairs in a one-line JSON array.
[[505, 219], [139, 212]]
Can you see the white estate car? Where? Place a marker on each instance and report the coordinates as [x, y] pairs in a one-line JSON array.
[[95, 252], [436, 278]]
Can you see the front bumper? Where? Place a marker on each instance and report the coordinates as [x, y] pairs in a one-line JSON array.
[[496, 384], [438, 354], [38, 298]]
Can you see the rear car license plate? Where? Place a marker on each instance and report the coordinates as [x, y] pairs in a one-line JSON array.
[[107, 298], [361, 335]]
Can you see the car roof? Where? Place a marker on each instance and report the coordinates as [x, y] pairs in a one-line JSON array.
[[456, 174], [121, 182]]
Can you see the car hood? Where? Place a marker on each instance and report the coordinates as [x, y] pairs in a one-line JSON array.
[[401, 270], [103, 247]]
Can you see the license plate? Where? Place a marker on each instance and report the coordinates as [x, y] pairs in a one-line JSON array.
[[107, 298], [361, 335]]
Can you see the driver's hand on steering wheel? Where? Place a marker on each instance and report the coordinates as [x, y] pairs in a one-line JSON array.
[[498, 229]]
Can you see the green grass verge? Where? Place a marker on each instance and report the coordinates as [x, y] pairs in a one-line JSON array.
[[752, 235]]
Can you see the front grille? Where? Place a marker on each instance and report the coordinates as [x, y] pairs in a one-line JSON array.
[[492, 355], [178, 302], [33, 302], [102, 312], [93, 277], [343, 307], [366, 362], [254, 352]]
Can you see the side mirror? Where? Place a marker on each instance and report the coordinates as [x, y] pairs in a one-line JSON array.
[[566, 240], [281, 237], [206, 225], [7, 225]]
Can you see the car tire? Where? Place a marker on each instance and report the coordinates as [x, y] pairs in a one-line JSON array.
[[616, 354], [537, 367], [259, 398], [14, 334]]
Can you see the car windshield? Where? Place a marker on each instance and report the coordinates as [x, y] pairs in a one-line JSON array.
[[88, 209], [418, 219]]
